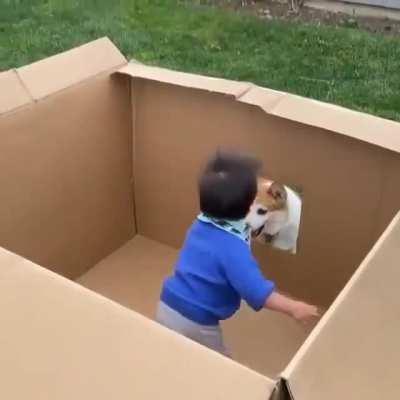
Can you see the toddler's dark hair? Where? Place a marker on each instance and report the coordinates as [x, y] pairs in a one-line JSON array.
[[228, 185]]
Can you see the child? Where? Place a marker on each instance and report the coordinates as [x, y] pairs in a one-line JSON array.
[[215, 269]]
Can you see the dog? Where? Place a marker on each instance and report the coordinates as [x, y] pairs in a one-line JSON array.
[[274, 217]]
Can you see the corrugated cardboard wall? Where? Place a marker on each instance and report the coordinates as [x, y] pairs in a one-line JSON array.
[[389, 191], [12, 93], [65, 176], [342, 179], [354, 353], [61, 341]]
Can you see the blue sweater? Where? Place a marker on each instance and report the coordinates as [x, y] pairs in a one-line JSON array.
[[214, 271]]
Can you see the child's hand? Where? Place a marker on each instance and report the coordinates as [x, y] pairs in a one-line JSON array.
[[304, 313], [300, 311]]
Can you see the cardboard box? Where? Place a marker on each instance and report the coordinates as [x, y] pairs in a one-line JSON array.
[[98, 166]]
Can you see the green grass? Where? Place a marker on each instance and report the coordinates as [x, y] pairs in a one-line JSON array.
[[344, 66]]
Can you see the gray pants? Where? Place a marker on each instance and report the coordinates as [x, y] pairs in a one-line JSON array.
[[209, 336]]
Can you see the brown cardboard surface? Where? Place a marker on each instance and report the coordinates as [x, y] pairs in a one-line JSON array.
[[232, 88], [361, 126], [71, 67], [61, 341], [12, 92], [264, 341], [354, 351], [178, 128], [65, 176], [368, 128], [389, 191], [266, 99], [133, 275]]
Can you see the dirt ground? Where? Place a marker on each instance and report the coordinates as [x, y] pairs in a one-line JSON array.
[[273, 9]]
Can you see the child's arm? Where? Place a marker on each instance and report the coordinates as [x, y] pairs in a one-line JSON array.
[[298, 310], [245, 276]]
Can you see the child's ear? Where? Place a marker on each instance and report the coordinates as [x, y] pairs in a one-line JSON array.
[[278, 192]]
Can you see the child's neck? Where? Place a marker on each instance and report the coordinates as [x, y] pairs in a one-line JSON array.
[[238, 228]]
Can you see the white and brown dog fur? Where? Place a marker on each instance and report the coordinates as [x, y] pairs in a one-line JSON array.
[[274, 216]]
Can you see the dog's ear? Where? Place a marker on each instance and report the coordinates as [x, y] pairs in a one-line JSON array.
[[278, 192]]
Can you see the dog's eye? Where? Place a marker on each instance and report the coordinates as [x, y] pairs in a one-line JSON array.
[[261, 211]]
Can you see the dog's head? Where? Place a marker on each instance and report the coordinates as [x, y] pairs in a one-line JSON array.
[[271, 197]]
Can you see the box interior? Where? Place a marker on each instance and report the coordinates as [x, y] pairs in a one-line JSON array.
[[133, 274], [65, 342], [98, 180]]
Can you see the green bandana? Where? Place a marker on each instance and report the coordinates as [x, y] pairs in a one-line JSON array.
[[238, 228]]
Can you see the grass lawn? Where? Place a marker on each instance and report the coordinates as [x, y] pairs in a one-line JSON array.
[[344, 66]]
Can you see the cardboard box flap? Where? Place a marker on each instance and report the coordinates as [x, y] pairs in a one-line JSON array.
[[12, 92], [365, 127], [368, 128], [223, 86], [354, 350], [58, 72], [266, 99], [62, 341]]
